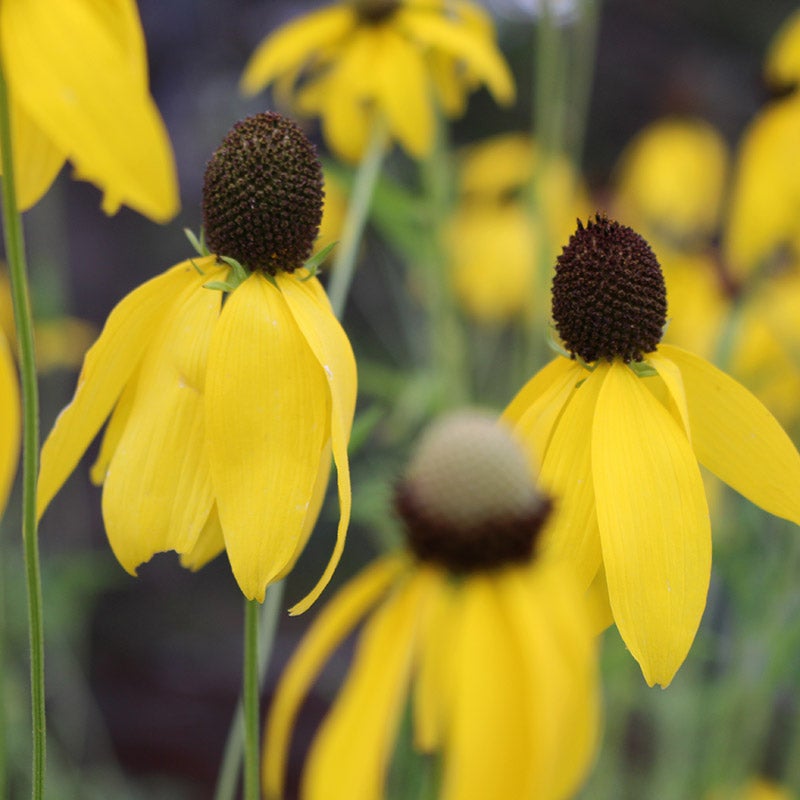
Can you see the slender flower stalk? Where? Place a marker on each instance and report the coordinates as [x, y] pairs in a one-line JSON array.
[[358, 207], [15, 254], [251, 700]]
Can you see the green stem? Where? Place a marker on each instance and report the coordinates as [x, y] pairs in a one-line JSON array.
[[234, 747], [250, 701], [15, 255], [360, 199]]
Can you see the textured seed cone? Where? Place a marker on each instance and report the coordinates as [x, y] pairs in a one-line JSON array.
[[468, 498], [262, 195], [609, 296], [375, 11]]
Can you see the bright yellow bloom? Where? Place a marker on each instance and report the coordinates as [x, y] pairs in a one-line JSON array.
[[354, 62], [9, 421], [622, 440], [498, 662], [77, 78], [222, 417], [494, 241]]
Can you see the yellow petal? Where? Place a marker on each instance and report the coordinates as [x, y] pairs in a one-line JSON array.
[[671, 375], [334, 622], [475, 49], [293, 44], [353, 747], [79, 70], [654, 524], [157, 494], [782, 65], [737, 438], [108, 365], [535, 387], [210, 543], [267, 420], [572, 531], [9, 421], [489, 737], [37, 161], [312, 312]]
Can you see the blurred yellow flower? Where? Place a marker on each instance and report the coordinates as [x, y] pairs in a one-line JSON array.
[[757, 789], [9, 421], [354, 62], [77, 78], [622, 425], [494, 240], [493, 649], [222, 415]]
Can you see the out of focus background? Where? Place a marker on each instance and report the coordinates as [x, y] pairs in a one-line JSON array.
[[144, 674]]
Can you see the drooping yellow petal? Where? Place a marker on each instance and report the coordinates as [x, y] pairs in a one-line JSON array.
[[268, 417], [477, 51], [654, 524], [782, 65], [737, 438], [108, 365], [671, 375], [312, 312], [488, 737], [210, 543], [550, 621], [334, 622], [79, 70], [296, 42], [572, 531], [9, 421], [431, 699], [157, 493], [36, 159], [533, 413], [353, 747]]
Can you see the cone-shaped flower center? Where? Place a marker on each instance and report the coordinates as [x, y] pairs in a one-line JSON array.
[[262, 196], [468, 498], [375, 11], [609, 297]]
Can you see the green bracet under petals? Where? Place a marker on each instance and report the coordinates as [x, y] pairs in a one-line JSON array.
[[69, 64], [488, 686], [566, 474], [737, 438], [210, 543], [312, 312], [654, 523], [267, 421], [107, 366], [671, 375], [10, 430], [356, 739], [537, 422], [157, 494], [336, 620]]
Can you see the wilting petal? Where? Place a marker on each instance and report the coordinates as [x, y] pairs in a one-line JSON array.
[[478, 53], [268, 416], [157, 494], [489, 695], [355, 740], [334, 622], [108, 365], [572, 532], [9, 421], [80, 71], [294, 43], [312, 312], [654, 524], [738, 439]]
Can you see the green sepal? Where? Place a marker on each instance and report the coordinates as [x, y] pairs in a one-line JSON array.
[[642, 369], [199, 245], [236, 276], [313, 263]]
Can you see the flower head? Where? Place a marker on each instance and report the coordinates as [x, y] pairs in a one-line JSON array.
[[9, 421], [223, 415], [77, 77], [494, 648], [356, 61], [622, 430]]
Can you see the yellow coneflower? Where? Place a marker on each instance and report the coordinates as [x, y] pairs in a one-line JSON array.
[[491, 644], [227, 383]]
